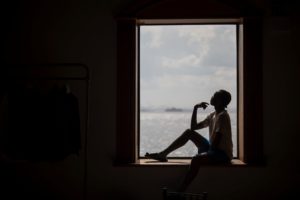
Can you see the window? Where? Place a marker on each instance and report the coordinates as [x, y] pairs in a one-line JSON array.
[[249, 87], [180, 65]]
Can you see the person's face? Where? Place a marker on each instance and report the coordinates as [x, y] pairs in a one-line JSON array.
[[215, 99]]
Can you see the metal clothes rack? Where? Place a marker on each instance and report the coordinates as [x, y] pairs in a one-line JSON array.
[[55, 72]]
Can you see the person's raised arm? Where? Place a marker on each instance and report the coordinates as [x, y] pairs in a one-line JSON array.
[[194, 124]]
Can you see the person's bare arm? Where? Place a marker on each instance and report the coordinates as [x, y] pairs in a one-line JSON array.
[[194, 124]]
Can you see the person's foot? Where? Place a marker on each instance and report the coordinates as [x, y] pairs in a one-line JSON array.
[[156, 156]]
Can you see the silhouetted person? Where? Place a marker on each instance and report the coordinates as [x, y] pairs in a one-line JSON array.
[[215, 151]]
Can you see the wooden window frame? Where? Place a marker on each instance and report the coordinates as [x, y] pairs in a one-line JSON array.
[[250, 113]]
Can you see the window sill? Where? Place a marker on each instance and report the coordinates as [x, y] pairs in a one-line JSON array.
[[180, 162]]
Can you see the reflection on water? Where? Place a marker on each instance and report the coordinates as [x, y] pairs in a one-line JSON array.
[[159, 129]]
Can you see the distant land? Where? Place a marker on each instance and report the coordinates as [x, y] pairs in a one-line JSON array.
[[173, 109], [164, 109], [178, 109]]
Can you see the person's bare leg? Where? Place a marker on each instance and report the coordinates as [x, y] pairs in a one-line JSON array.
[[187, 135], [193, 170]]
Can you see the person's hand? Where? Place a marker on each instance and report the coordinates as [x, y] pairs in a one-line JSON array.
[[202, 105]]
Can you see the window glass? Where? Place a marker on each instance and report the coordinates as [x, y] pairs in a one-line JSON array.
[[180, 66]]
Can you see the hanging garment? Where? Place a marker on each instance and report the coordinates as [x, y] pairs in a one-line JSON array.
[[41, 126]]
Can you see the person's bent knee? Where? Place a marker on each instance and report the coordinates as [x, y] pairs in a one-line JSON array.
[[189, 132]]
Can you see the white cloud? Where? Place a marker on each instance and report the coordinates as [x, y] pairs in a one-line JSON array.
[[226, 72], [176, 90], [186, 61], [190, 64], [186, 90], [166, 82], [202, 34], [215, 44], [155, 35]]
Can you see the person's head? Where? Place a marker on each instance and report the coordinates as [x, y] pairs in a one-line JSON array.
[[220, 99]]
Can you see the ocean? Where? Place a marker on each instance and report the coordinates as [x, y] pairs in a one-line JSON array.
[[159, 129]]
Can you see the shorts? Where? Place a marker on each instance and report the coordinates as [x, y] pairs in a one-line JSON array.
[[215, 155]]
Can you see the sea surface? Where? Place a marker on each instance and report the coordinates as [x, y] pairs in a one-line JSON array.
[[158, 129]]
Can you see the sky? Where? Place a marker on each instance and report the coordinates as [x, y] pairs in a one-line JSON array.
[[182, 65]]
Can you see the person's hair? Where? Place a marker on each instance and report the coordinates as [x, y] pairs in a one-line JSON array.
[[225, 97]]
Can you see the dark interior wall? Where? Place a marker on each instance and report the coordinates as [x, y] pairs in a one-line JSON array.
[[85, 32]]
